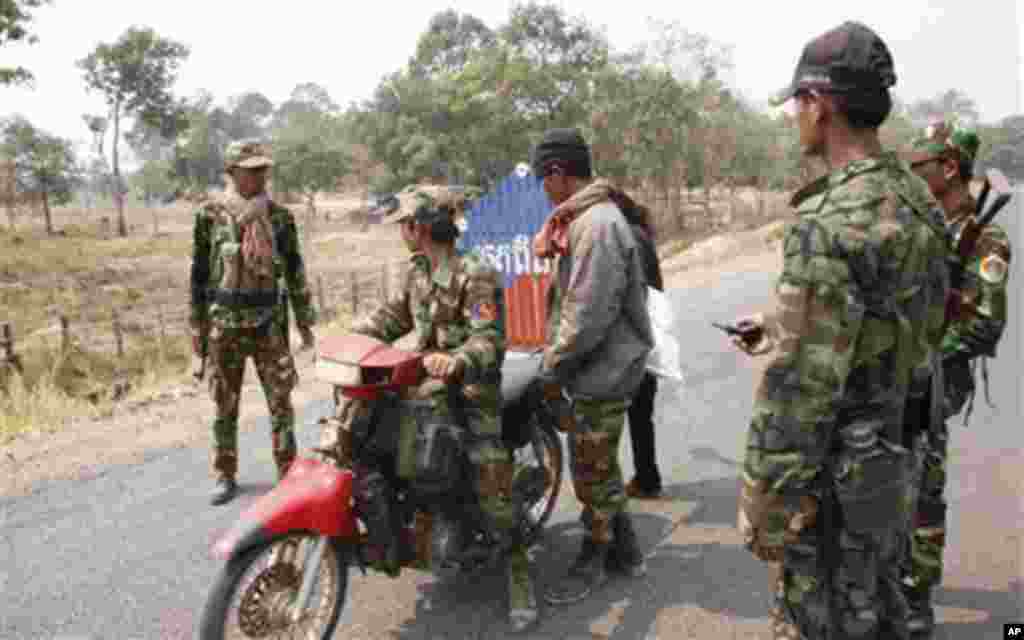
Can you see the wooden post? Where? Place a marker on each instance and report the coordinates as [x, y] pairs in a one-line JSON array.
[[320, 295], [118, 336], [354, 277], [65, 334], [7, 342]]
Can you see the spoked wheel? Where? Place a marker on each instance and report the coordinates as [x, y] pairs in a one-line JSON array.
[[541, 458], [255, 593]]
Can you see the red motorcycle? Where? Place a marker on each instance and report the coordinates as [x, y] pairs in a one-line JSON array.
[[288, 555]]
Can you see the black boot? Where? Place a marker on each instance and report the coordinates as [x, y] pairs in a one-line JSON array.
[[921, 621], [374, 502], [224, 490], [625, 555], [585, 575]]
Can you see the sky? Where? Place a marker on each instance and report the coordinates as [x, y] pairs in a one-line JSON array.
[[238, 46]]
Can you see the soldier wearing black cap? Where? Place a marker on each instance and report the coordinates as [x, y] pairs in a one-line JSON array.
[[826, 489]]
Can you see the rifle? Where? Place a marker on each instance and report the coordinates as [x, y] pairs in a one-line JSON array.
[[966, 242]]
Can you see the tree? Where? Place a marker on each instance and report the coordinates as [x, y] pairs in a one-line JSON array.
[[44, 164], [310, 146], [15, 17], [951, 103], [135, 74], [249, 114]]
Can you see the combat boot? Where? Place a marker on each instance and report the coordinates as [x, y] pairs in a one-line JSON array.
[[522, 599], [921, 619], [586, 574], [625, 556], [224, 489]]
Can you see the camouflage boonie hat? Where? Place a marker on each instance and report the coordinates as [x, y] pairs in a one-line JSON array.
[[942, 137], [850, 57], [428, 198], [247, 154]]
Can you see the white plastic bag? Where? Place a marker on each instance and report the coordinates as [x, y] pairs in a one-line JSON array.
[[663, 360]]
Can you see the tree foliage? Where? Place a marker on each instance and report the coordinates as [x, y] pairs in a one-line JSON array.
[[135, 75], [44, 164], [15, 23]]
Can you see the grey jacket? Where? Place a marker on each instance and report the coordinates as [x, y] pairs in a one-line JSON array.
[[598, 327]]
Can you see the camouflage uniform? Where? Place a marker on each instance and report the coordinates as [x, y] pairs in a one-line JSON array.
[[456, 308], [243, 324], [826, 491], [973, 335]]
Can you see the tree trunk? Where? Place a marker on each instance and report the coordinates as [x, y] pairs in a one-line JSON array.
[[45, 197], [122, 229]]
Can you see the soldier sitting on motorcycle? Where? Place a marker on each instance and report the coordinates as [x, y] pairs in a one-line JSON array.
[[453, 304]]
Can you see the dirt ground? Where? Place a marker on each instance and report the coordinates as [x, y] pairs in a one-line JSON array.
[[180, 414]]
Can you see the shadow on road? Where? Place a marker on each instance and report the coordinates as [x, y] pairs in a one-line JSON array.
[[710, 577], [986, 611]]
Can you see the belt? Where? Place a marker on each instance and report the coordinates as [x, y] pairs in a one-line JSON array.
[[245, 298]]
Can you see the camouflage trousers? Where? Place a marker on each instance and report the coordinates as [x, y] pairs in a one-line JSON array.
[[594, 463], [268, 347], [865, 587], [923, 565]]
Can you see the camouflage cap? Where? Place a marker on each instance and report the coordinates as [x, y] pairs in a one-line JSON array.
[[428, 197], [850, 57], [247, 154], [942, 137]]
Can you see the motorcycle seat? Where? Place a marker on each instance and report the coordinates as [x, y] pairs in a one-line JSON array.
[[517, 373]]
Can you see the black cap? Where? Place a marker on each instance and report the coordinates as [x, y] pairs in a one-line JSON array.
[[566, 145], [850, 57]]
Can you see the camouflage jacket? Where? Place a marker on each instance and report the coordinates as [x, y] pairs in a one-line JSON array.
[[598, 328], [209, 234], [861, 302], [986, 274], [456, 310]]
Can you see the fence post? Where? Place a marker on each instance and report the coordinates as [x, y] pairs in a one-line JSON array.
[[118, 336], [10, 357], [65, 334], [354, 277], [320, 295]]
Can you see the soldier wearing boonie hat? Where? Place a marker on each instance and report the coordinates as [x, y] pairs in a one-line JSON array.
[[944, 157], [246, 268]]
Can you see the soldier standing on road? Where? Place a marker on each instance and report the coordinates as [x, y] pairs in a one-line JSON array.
[[944, 157], [246, 266], [453, 304], [599, 337], [826, 484]]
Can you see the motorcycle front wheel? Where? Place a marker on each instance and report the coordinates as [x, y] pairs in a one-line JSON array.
[[254, 594], [544, 453]]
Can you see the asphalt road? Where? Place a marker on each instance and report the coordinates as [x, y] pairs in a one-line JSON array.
[[125, 553]]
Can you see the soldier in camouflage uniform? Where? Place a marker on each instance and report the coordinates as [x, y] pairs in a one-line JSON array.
[[599, 336], [944, 156], [453, 304], [826, 482], [246, 265]]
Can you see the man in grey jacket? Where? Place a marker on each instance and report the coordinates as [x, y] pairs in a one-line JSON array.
[[599, 335]]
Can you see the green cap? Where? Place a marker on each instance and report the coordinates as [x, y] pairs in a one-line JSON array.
[[941, 137]]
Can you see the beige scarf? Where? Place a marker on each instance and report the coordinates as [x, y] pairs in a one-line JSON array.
[[553, 238], [252, 219]]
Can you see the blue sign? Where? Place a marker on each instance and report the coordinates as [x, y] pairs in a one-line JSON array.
[[501, 225]]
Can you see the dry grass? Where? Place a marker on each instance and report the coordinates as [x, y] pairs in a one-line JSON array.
[[86, 271]]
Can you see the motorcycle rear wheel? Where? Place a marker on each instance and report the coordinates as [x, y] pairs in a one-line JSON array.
[[261, 603]]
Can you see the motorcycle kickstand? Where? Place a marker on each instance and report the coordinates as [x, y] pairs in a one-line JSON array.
[[311, 569]]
